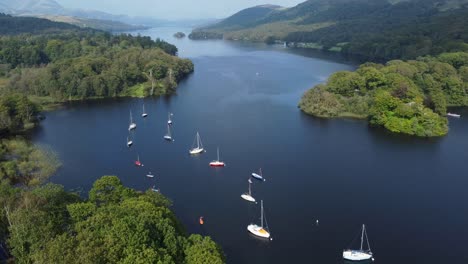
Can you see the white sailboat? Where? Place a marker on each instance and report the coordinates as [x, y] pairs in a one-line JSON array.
[[199, 148], [258, 176], [248, 196], [217, 163], [144, 114], [360, 254], [260, 231], [168, 136], [169, 120], [132, 125], [129, 142], [154, 189], [150, 175]]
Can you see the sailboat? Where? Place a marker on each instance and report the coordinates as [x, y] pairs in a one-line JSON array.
[[258, 176], [129, 142], [199, 148], [169, 120], [144, 114], [360, 254], [168, 136], [138, 162], [217, 163], [150, 175], [154, 189], [132, 125], [248, 196], [260, 231]]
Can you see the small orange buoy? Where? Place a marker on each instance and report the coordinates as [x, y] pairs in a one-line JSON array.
[[201, 220]]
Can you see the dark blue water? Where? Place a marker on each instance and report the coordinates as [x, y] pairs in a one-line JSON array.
[[411, 193]]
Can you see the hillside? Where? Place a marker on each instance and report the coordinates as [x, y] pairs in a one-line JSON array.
[[247, 17], [106, 25], [376, 30], [10, 25]]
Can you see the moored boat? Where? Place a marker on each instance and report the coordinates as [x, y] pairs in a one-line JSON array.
[[199, 146], [132, 125], [259, 175], [359, 254], [138, 162], [248, 196], [168, 136], [453, 115], [217, 163], [260, 231], [144, 114]]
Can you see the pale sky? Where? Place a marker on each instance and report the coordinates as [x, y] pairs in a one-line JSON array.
[[173, 9]]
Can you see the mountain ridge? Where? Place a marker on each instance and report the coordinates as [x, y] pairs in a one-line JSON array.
[[375, 30]]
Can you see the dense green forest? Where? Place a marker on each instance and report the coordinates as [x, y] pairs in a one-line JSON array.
[[17, 113], [115, 224], [372, 30], [80, 64], [408, 97]]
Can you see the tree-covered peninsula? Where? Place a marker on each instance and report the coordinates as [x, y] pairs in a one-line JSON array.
[[407, 97], [70, 64]]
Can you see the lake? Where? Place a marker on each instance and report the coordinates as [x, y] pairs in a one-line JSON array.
[[411, 193]]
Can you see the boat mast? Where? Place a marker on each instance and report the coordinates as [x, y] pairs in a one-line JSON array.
[[362, 235], [218, 154], [250, 191], [367, 239], [198, 140], [261, 217], [131, 119]]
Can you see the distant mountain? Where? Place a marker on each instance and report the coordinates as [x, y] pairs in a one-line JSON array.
[[371, 29], [33, 7], [91, 18]]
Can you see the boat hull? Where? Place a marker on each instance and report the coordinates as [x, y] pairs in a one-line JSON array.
[[132, 126], [130, 143], [144, 115], [196, 151], [150, 176], [356, 255], [139, 164], [453, 115], [248, 197], [258, 177], [258, 231], [168, 138], [217, 164]]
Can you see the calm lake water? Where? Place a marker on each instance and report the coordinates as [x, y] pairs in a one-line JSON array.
[[411, 193]]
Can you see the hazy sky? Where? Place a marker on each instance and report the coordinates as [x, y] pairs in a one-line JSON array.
[[173, 9]]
